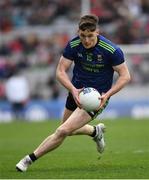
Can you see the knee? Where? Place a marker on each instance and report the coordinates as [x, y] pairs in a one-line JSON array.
[[63, 132]]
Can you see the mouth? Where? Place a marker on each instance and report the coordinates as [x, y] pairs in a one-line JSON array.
[[87, 45]]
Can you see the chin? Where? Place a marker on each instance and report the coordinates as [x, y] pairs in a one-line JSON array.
[[87, 47]]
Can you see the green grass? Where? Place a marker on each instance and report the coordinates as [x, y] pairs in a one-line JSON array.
[[126, 155]]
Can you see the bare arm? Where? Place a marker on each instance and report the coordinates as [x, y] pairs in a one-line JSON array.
[[123, 79], [61, 73], [62, 76]]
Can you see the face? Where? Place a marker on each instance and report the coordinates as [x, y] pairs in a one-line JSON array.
[[88, 38]]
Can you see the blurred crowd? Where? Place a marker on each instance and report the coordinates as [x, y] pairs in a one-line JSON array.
[[18, 13], [125, 21], [122, 21]]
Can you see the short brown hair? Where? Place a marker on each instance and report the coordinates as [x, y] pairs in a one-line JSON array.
[[88, 22]]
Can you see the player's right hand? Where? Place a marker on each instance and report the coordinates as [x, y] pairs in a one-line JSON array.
[[75, 92]]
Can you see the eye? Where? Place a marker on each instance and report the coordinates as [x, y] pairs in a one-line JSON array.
[[82, 35]]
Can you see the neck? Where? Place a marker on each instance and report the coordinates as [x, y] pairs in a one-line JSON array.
[[95, 42]]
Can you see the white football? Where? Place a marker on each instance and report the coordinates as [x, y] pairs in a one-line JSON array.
[[90, 99]]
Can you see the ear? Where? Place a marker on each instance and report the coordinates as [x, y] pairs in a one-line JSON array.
[[97, 31]]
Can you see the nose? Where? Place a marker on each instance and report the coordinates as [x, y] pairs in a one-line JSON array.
[[86, 39]]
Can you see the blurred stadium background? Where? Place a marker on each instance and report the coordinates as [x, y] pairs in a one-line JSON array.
[[34, 33]]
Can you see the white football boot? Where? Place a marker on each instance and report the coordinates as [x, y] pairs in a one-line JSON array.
[[99, 138], [24, 163]]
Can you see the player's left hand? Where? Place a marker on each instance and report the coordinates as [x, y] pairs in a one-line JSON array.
[[104, 97]]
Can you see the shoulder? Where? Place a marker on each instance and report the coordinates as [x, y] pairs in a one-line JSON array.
[[75, 42], [71, 48], [108, 45]]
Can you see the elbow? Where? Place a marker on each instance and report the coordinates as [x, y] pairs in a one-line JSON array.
[[59, 75], [128, 78]]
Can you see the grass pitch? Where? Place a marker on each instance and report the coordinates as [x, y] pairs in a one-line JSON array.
[[126, 155]]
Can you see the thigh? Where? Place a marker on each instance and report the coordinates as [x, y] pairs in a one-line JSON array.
[[70, 106], [66, 114], [76, 120]]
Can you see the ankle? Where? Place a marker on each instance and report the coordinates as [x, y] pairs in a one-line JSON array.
[[33, 157], [94, 132]]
